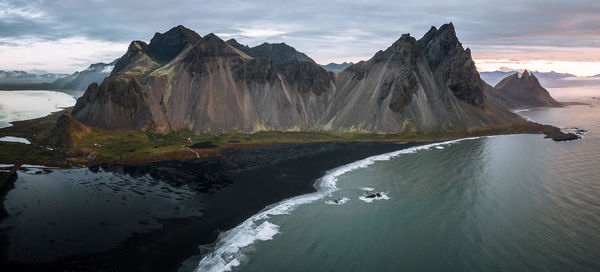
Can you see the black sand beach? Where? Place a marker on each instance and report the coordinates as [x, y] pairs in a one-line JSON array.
[[236, 185]]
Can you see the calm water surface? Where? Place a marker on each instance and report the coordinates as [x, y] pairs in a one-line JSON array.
[[504, 203], [78, 211], [25, 105]]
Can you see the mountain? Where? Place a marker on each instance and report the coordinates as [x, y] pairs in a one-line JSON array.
[[22, 77], [76, 81], [81, 80], [207, 85], [430, 84], [522, 92], [548, 79], [210, 86], [335, 67], [494, 77], [280, 52]]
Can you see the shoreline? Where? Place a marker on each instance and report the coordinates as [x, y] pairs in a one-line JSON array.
[[99, 146], [240, 183], [251, 180], [250, 229]]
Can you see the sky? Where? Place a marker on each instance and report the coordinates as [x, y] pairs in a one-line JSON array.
[[68, 35]]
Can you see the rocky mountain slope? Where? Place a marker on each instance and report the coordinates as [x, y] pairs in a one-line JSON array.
[[516, 92], [204, 84]]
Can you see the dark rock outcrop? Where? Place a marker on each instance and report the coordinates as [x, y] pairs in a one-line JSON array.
[[557, 135], [66, 128]]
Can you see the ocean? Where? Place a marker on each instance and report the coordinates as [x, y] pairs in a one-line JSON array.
[[507, 203]]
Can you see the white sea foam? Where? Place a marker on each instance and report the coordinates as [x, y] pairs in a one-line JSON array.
[[14, 139], [369, 200], [521, 110], [227, 249], [340, 201], [25, 165], [439, 147], [368, 189]]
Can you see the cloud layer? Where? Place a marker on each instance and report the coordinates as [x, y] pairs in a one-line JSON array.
[[325, 30]]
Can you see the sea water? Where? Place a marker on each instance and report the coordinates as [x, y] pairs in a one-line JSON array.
[[511, 203]]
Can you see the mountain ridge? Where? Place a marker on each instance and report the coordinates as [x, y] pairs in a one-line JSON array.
[[207, 85], [550, 79]]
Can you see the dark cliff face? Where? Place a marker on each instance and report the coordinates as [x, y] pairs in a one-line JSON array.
[[204, 84], [524, 92], [452, 64]]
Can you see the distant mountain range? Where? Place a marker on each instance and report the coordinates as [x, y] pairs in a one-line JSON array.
[[22, 77], [337, 67], [18, 80], [182, 81], [547, 79]]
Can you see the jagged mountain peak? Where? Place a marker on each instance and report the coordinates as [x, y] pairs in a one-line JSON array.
[[213, 45], [451, 63], [527, 79], [405, 38], [436, 43], [164, 47], [212, 36], [215, 87], [135, 50], [400, 52], [523, 92], [179, 30], [280, 52], [235, 43], [445, 32]]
